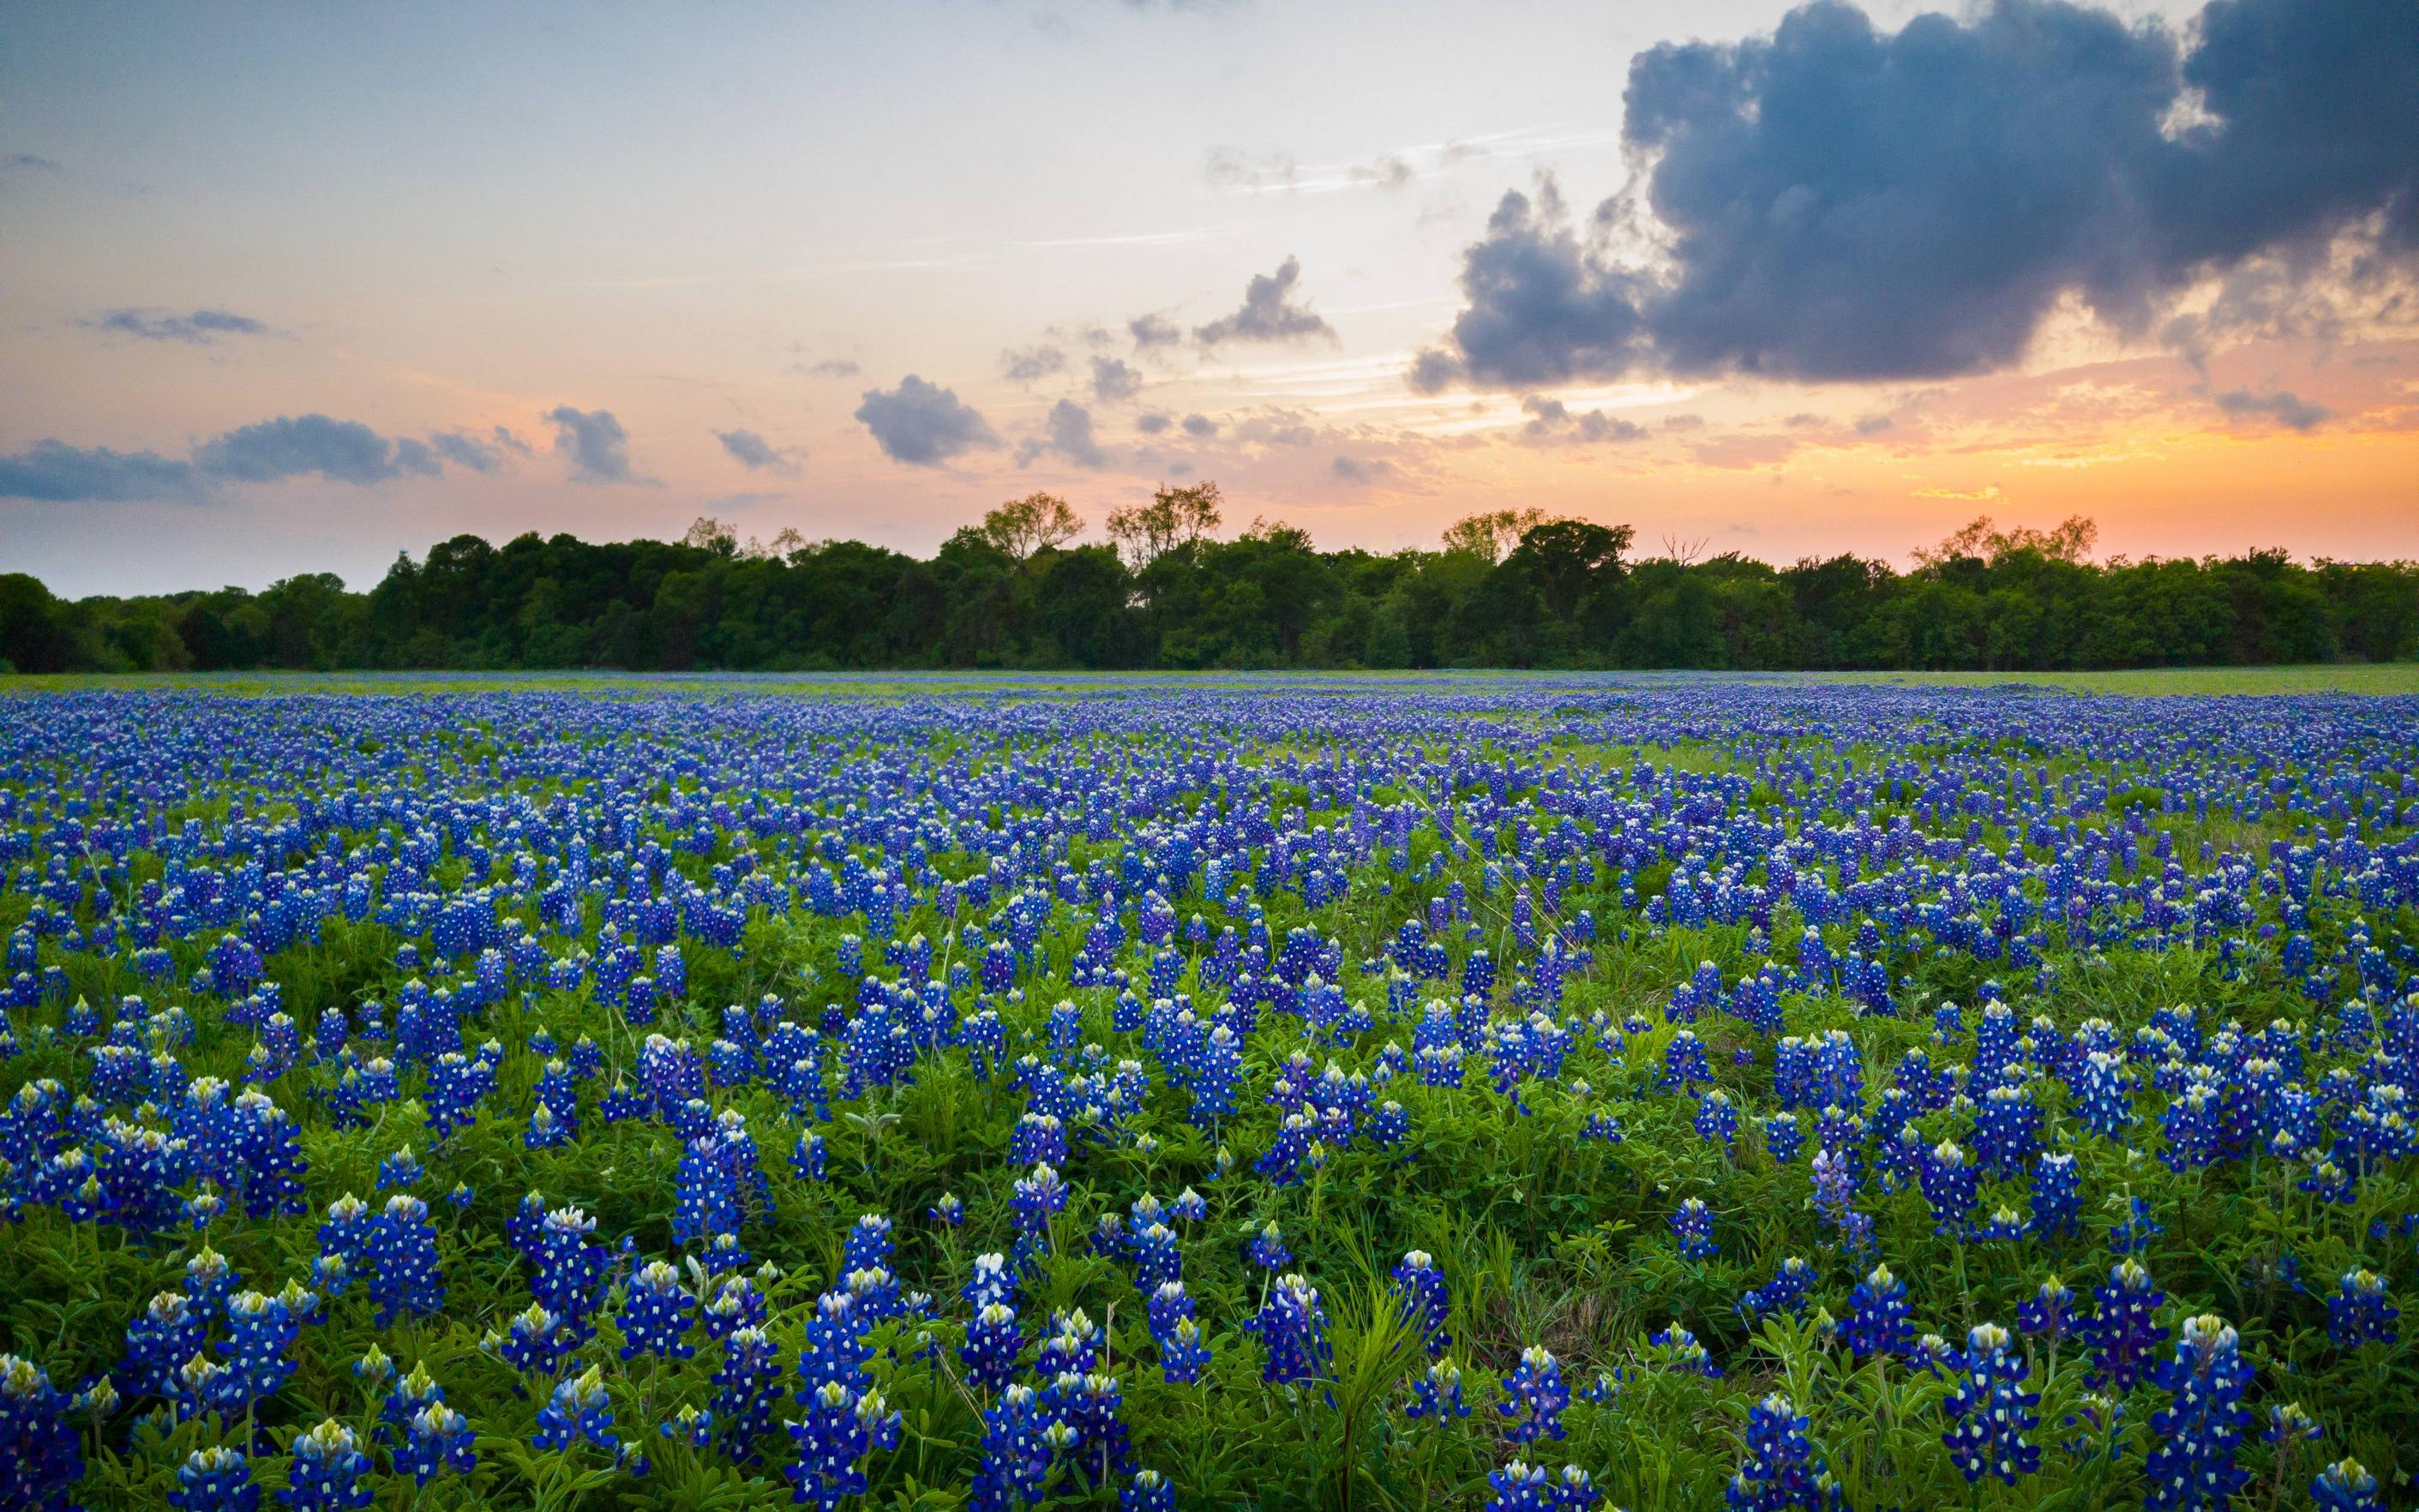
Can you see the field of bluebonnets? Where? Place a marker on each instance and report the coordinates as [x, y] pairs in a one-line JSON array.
[[1516, 1095]]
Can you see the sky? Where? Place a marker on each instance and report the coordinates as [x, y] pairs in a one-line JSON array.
[[297, 289]]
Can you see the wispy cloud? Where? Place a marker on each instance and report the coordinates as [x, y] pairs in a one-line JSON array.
[[202, 328]]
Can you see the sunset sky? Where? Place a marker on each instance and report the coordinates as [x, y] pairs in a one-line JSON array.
[[289, 289]]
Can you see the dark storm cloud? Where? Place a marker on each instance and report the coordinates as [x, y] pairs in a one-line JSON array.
[[594, 442], [199, 329], [1844, 204], [1268, 312], [1068, 435], [922, 423]]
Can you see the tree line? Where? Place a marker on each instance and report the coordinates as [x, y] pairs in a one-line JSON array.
[[1510, 588]]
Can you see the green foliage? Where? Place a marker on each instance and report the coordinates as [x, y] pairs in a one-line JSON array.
[[1512, 589]]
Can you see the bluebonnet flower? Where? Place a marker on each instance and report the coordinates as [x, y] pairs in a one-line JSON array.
[[534, 1342], [1148, 1492], [1784, 1294], [1990, 1411], [40, 1455], [1037, 1198], [2057, 1194], [261, 1330], [215, 1479], [403, 1249], [991, 1347], [1292, 1326], [1782, 1472], [1182, 1355], [1692, 1225], [578, 1411], [1683, 1350], [1073, 1349], [2290, 1425], [1421, 1287], [2360, 1311], [2345, 1486], [2193, 1465], [1535, 1397], [1015, 1459], [2049, 1312], [1784, 1138], [947, 1211], [1717, 1118], [1877, 1321], [1157, 1259], [1437, 1394], [655, 1314], [1835, 1191], [841, 1425], [1090, 1407], [160, 1340], [746, 1389], [1267, 1249], [1950, 1185], [436, 1440], [1521, 1487], [324, 1474], [2124, 1332]]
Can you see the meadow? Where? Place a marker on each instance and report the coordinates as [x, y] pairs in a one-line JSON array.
[[1413, 1091]]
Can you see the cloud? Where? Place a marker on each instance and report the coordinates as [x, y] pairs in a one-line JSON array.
[[1836, 203], [594, 442], [1030, 364], [17, 162], [1987, 495], [1276, 427], [835, 367], [1201, 425], [199, 329], [293, 446], [758, 454], [1150, 331], [1874, 425], [477, 454], [55, 472], [1385, 171], [1355, 471], [1268, 313], [1154, 423], [1232, 168], [1067, 434], [2286, 410], [1113, 382], [922, 423], [1551, 421], [271, 451]]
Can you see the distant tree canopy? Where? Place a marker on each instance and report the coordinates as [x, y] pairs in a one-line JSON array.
[[1510, 588]]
